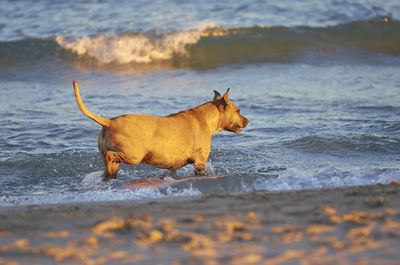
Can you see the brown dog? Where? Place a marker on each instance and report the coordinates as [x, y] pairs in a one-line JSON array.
[[169, 142]]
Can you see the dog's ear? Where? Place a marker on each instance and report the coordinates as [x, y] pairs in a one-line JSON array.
[[222, 101], [226, 96], [217, 96]]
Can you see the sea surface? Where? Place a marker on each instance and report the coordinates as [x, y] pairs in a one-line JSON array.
[[319, 82]]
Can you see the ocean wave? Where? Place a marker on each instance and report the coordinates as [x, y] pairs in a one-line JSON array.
[[295, 179], [336, 145], [211, 46], [134, 47]]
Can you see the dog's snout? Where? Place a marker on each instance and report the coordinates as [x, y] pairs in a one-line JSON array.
[[245, 121]]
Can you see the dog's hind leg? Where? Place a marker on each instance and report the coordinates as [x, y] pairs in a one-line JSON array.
[[111, 163]]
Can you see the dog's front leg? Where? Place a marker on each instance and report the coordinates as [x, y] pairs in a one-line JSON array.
[[200, 161], [200, 170]]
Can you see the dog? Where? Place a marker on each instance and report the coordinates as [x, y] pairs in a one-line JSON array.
[[169, 142]]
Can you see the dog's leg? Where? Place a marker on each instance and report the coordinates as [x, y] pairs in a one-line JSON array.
[[200, 170], [200, 161], [111, 164]]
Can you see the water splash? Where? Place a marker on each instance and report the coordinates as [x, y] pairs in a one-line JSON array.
[[295, 179], [134, 47]]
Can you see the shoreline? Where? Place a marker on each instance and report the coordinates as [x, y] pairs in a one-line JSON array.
[[346, 225]]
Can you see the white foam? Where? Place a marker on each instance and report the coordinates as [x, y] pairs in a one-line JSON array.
[[173, 192], [294, 179], [93, 178], [133, 48], [93, 188]]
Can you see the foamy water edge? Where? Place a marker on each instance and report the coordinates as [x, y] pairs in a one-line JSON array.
[[291, 179]]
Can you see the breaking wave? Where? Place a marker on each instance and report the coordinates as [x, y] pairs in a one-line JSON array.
[[211, 46], [133, 47]]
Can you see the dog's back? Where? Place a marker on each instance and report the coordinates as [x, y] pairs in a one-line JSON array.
[[169, 142]]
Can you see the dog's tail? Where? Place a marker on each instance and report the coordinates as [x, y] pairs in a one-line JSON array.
[[102, 121]]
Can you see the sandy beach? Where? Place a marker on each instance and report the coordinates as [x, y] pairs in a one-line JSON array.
[[353, 225]]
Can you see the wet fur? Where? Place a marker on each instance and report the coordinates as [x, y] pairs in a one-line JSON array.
[[169, 142]]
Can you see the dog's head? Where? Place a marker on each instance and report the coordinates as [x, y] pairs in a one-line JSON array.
[[231, 119]]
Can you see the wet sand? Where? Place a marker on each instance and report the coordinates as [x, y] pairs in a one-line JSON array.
[[354, 225]]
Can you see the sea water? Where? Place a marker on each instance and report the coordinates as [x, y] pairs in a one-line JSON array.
[[319, 82]]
